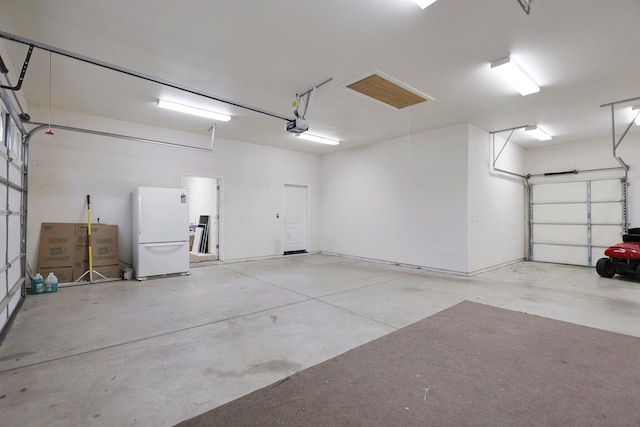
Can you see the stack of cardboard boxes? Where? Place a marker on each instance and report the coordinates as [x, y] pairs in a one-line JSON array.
[[64, 250]]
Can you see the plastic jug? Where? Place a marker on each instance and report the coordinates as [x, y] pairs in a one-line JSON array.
[[37, 284], [51, 283]]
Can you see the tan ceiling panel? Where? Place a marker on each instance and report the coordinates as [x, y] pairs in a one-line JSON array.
[[383, 90]]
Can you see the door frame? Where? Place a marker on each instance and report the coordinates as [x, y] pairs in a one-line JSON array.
[[307, 217], [220, 204]]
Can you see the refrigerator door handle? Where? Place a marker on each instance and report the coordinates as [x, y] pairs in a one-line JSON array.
[[157, 245], [139, 214]]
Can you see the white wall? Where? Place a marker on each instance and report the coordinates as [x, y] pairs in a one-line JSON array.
[[403, 200], [591, 154], [497, 203], [66, 167], [428, 199]]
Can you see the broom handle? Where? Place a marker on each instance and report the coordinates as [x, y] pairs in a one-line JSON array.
[[89, 237]]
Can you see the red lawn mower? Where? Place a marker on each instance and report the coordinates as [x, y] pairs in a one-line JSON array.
[[623, 258]]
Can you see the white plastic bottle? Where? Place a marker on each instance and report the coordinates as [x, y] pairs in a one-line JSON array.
[[51, 283]]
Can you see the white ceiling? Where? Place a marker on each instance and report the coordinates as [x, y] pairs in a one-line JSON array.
[[261, 53]]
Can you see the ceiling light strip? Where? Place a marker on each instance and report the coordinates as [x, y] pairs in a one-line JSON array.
[[636, 109], [316, 138], [515, 76], [194, 111], [537, 133], [424, 3]]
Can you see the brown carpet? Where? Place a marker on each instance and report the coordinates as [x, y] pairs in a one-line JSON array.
[[469, 365]]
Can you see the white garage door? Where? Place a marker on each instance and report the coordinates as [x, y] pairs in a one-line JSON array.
[[573, 222], [12, 197]]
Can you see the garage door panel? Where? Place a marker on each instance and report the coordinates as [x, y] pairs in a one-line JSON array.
[[15, 198], [15, 174], [606, 212], [11, 231], [606, 190], [560, 192], [3, 238], [605, 235], [3, 161], [572, 223], [563, 213], [14, 274], [554, 233], [3, 223], [575, 255], [14, 236], [3, 285], [4, 318], [598, 252]]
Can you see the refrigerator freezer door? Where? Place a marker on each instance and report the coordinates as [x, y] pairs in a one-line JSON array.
[[161, 215], [156, 259]]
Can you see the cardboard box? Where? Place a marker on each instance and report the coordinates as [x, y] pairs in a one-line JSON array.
[[108, 271], [57, 245], [64, 250], [104, 244]]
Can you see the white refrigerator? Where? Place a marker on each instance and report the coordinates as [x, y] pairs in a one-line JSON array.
[[160, 229]]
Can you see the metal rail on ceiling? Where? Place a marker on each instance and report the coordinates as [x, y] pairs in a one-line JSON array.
[[25, 65], [43, 126], [616, 142], [496, 157], [103, 64], [623, 166]]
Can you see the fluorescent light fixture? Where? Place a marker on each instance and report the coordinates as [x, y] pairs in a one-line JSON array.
[[512, 74], [193, 110], [316, 138], [537, 133], [636, 109], [424, 3]]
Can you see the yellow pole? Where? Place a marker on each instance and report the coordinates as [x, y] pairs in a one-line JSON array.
[[89, 238]]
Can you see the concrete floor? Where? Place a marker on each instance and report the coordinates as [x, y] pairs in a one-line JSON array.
[[157, 352]]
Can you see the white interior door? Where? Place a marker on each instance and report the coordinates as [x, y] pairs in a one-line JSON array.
[[573, 222], [295, 218]]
